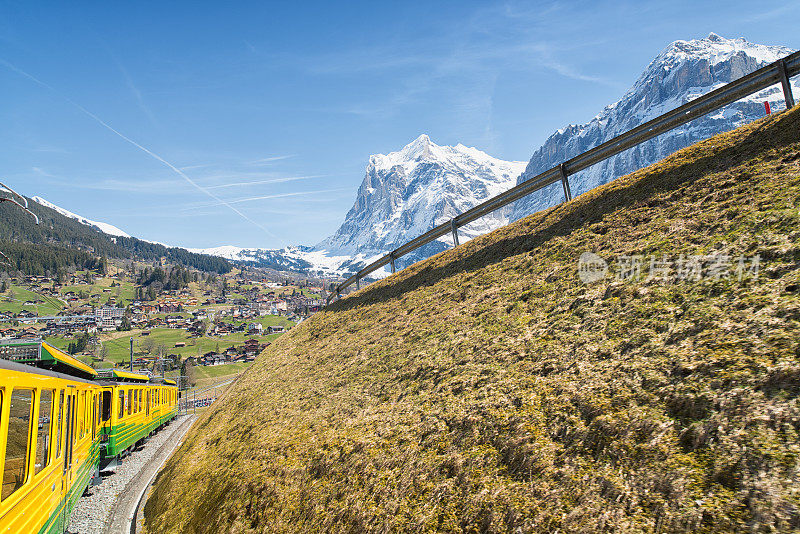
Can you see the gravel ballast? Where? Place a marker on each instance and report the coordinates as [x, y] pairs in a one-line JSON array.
[[93, 510]]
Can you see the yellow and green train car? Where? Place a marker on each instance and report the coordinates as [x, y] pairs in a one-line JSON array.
[[57, 425], [137, 409]]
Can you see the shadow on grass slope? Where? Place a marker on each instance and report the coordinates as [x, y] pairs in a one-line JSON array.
[[488, 389]]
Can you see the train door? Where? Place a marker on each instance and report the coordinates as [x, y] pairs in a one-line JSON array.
[[105, 411], [63, 446], [95, 415], [69, 434], [147, 405]]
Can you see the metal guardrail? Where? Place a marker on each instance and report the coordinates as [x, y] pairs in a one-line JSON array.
[[778, 72]]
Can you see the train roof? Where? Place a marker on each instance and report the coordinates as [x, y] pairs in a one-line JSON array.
[[120, 375], [40, 354], [23, 368]]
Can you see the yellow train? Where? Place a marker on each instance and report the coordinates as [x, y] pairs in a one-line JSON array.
[[59, 423]]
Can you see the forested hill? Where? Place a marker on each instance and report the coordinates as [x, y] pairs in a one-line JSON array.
[[55, 233]]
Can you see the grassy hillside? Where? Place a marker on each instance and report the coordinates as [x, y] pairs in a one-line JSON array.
[[489, 390]]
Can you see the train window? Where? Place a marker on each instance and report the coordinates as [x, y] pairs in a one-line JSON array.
[[82, 415], [18, 440], [45, 430], [121, 404], [95, 415], [140, 399], [87, 412], [106, 413], [60, 412], [130, 401]]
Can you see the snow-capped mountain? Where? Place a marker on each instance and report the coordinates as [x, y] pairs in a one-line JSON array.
[[682, 72], [404, 194], [299, 258], [109, 229], [408, 192]]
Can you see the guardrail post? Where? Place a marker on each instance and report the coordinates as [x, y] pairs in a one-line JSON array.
[[787, 87], [454, 229], [391, 261], [565, 182]]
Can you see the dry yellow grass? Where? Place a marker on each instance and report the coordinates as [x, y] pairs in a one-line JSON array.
[[488, 390]]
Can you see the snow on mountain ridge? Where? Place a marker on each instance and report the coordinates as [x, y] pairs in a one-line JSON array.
[[683, 71], [313, 262], [109, 229], [229, 252], [407, 192]]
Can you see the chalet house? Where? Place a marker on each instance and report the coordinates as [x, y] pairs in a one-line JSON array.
[[211, 358], [170, 307], [255, 328], [275, 329]]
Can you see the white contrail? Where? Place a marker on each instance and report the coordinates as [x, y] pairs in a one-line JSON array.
[[140, 147]]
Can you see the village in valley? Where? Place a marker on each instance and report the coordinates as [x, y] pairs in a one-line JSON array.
[[174, 320]]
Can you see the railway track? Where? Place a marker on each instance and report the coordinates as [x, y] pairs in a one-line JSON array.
[[112, 506]]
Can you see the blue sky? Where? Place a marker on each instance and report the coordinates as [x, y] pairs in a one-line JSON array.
[[270, 110]]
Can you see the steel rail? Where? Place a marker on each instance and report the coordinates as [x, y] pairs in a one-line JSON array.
[[778, 72]]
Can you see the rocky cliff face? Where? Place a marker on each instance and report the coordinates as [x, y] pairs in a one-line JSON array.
[[406, 193], [682, 72]]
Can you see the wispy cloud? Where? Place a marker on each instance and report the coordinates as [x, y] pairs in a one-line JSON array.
[[193, 167], [268, 197], [42, 172], [271, 159], [270, 181], [137, 94], [762, 15]]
